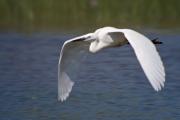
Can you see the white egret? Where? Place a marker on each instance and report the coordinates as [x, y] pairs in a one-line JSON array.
[[105, 37]]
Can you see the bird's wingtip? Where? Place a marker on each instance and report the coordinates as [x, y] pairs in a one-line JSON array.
[[65, 87]]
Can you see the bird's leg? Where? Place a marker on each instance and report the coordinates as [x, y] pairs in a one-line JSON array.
[[155, 41]]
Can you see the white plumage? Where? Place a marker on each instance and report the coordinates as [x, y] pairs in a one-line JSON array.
[[73, 49]]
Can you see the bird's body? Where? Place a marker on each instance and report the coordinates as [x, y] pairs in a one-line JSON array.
[[104, 40], [74, 49]]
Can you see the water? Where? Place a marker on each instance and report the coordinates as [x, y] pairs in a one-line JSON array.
[[112, 86]]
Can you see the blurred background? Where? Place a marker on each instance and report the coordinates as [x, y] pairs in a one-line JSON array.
[[111, 85], [30, 15]]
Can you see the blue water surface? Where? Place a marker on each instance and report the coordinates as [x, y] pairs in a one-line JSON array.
[[112, 85]]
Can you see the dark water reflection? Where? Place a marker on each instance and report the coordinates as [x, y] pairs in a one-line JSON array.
[[111, 86]]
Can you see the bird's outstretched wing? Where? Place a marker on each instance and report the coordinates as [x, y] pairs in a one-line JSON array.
[[147, 55], [71, 54]]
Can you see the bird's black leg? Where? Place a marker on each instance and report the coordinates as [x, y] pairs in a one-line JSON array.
[[155, 41]]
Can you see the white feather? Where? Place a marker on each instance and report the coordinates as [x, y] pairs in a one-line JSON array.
[[72, 53], [148, 57]]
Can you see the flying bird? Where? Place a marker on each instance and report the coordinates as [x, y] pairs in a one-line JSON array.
[[74, 49]]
